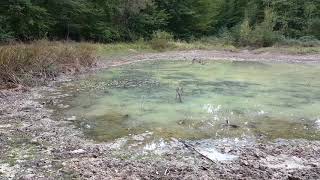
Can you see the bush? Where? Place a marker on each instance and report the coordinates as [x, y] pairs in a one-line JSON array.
[[161, 40], [309, 41], [314, 28], [304, 41], [245, 33], [29, 64], [261, 35], [224, 37]]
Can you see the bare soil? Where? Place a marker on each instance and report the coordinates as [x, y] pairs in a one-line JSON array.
[[243, 55], [34, 145]]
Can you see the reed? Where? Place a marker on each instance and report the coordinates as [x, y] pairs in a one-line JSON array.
[[36, 62]]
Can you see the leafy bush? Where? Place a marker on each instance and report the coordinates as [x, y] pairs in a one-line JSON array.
[[261, 35], [314, 28], [245, 33], [304, 41], [28, 64], [224, 37], [161, 40]]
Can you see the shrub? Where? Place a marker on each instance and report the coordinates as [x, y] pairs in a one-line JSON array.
[[29, 64], [161, 40], [224, 37], [309, 41], [304, 41], [261, 35], [314, 28], [245, 33]]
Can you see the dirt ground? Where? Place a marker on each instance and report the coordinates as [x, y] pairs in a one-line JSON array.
[[34, 145], [244, 55]]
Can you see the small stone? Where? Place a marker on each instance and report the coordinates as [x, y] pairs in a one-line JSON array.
[[62, 106], [245, 163], [28, 176], [5, 126], [72, 118], [227, 150], [34, 141], [78, 151]]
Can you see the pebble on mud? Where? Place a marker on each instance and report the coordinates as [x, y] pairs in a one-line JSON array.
[[72, 118], [78, 151]]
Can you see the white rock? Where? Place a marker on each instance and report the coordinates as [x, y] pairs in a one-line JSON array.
[[6, 126], [318, 123], [215, 155], [78, 151], [72, 118]]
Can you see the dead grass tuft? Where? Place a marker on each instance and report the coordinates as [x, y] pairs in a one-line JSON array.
[[35, 63]]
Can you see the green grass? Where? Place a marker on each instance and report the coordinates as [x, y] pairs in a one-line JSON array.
[[290, 50], [199, 45], [120, 49]]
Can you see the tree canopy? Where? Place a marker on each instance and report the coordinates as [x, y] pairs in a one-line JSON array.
[[128, 20]]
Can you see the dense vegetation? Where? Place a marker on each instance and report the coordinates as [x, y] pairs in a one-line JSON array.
[[241, 22], [38, 62]]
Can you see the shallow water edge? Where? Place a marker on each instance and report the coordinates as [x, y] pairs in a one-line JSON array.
[[35, 145]]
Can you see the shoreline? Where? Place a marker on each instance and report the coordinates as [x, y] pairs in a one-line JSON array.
[[35, 146]]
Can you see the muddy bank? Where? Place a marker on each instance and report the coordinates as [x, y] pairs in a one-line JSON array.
[[34, 145], [243, 55]]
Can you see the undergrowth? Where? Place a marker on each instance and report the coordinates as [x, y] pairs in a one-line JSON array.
[[35, 63]]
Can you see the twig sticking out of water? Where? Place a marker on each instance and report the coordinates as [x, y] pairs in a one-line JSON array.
[[179, 92], [142, 103], [231, 125]]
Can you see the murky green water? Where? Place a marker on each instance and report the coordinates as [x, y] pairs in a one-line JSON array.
[[263, 99]]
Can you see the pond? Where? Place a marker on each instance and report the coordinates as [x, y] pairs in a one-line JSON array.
[[194, 101]]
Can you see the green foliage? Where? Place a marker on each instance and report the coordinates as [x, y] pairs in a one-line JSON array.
[[26, 20], [314, 27], [189, 18], [245, 33], [161, 40], [5, 31], [294, 17], [243, 22], [304, 41], [262, 34]]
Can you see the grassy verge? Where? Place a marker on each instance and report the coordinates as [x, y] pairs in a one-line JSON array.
[[165, 44], [120, 49], [35, 63], [298, 50]]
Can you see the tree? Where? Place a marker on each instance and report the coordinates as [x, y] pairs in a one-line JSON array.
[[188, 18], [27, 21]]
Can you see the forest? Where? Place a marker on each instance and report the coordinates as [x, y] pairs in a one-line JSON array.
[[241, 22]]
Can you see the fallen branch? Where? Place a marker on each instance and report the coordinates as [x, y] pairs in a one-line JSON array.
[[190, 147]]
